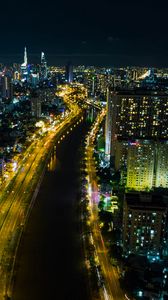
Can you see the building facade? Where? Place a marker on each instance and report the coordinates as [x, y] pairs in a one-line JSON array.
[[43, 67], [142, 115], [144, 224], [7, 87], [161, 165], [143, 164], [36, 107], [140, 165]]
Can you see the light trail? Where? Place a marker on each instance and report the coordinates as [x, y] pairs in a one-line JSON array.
[[15, 205], [111, 289]]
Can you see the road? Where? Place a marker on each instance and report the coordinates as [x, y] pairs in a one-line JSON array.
[[14, 203], [49, 264], [111, 289]]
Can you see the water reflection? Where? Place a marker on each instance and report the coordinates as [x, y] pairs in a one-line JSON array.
[[52, 162]]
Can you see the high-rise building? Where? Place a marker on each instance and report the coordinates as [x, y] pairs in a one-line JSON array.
[[142, 115], [93, 86], [7, 87], [140, 165], [69, 73], [34, 79], [161, 165], [143, 164], [24, 70], [144, 224], [120, 160], [88, 82], [36, 106], [25, 56], [43, 68]]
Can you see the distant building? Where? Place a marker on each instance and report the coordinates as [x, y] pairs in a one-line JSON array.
[[43, 67], [7, 87], [34, 79], [24, 68], [17, 76], [36, 107], [144, 224], [93, 86], [69, 73], [90, 83]]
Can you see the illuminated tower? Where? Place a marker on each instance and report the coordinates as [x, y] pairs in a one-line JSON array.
[[43, 67], [108, 127], [24, 71], [25, 56], [69, 73]]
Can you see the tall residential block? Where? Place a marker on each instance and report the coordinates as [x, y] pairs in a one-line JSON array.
[[140, 165], [143, 164], [144, 224], [139, 115]]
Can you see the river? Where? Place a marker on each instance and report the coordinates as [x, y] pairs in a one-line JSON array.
[[49, 263]]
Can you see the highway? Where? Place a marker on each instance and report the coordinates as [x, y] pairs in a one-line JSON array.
[[15, 208], [111, 289], [15, 202]]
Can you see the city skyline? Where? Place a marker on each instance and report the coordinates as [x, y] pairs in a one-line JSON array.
[[84, 150], [99, 137], [110, 33]]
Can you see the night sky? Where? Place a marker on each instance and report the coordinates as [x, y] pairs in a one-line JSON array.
[[104, 32]]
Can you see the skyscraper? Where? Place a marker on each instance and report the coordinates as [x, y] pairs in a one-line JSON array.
[[7, 87], [43, 68], [69, 73], [93, 86], [36, 105], [24, 70], [25, 56], [34, 79]]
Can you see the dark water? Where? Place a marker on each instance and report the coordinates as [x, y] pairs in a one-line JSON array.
[[49, 264]]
